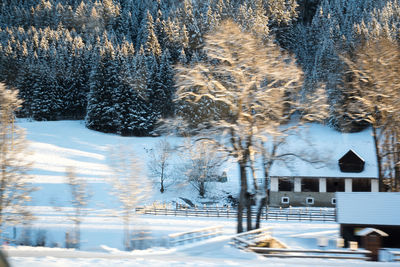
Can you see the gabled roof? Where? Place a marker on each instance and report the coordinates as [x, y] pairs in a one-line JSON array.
[[351, 154], [351, 162], [328, 146], [369, 230], [369, 208]]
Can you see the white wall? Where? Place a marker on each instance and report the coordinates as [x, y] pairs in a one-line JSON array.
[[274, 185], [297, 184], [322, 185], [348, 185], [374, 185]]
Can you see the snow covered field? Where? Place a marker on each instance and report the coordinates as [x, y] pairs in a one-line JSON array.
[[57, 145]]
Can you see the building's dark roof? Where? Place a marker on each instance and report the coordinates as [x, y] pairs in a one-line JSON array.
[[351, 162]]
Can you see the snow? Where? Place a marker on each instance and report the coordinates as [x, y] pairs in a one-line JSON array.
[[358, 208], [56, 145], [330, 146]]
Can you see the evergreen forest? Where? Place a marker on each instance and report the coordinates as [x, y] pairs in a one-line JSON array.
[[112, 62]]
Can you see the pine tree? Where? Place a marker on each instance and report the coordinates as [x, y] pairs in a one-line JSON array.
[[165, 90], [142, 116], [126, 95], [104, 79]]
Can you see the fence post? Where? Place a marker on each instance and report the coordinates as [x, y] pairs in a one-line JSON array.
[[216, 206], [227, 211]]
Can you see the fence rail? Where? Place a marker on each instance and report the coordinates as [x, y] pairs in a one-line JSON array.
[[312, 253], [250, 238], [196, 235], [388, 254], [324, 215]]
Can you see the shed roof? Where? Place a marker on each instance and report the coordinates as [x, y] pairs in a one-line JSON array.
[[328, 146], [369, 230], [369, 208]]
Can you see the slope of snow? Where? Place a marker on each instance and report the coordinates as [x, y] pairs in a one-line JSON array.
[[57, 145]]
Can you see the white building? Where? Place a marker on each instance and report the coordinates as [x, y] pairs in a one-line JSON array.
[[297, 182]]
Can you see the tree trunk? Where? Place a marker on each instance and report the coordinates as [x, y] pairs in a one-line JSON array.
[[202, 189], [378, 158], [249, 214], [127, 244], [266, 167], [242, 196], [262, 204], [77, 241], [162, 187], [162, 180]]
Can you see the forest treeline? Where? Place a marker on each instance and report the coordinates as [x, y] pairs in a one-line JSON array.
[[112, 62]]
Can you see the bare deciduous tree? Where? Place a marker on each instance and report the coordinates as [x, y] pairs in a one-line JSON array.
[[15, 183], [79, 199], [159, 165], [254, 85], [128, 185], [374, 91], [201, 165]]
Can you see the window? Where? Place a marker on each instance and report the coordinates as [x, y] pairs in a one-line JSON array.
[[285, 184], [310, 201], [333, 201], [285, 200], [334, 185], [361, 185], [309, 185]]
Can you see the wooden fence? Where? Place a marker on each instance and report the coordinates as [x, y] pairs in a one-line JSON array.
[[287, 214], [249, 240], [388, 254], [312, 253], [195, 235]]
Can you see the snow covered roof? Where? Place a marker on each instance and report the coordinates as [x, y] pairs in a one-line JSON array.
[[369, 230], [327, 146], [374, 208]]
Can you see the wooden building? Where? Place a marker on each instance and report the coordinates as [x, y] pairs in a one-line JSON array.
[[375, 210], [347, 163]]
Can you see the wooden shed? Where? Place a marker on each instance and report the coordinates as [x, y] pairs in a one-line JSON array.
[[371, 239], [359, 212]]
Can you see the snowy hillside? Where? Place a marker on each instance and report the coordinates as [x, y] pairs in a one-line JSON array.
[[56, 145], [61, 144]]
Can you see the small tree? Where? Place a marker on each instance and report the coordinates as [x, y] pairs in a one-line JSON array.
[[79, 200], [159, 164], [128, 185], [201, 165], [15, 186]]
